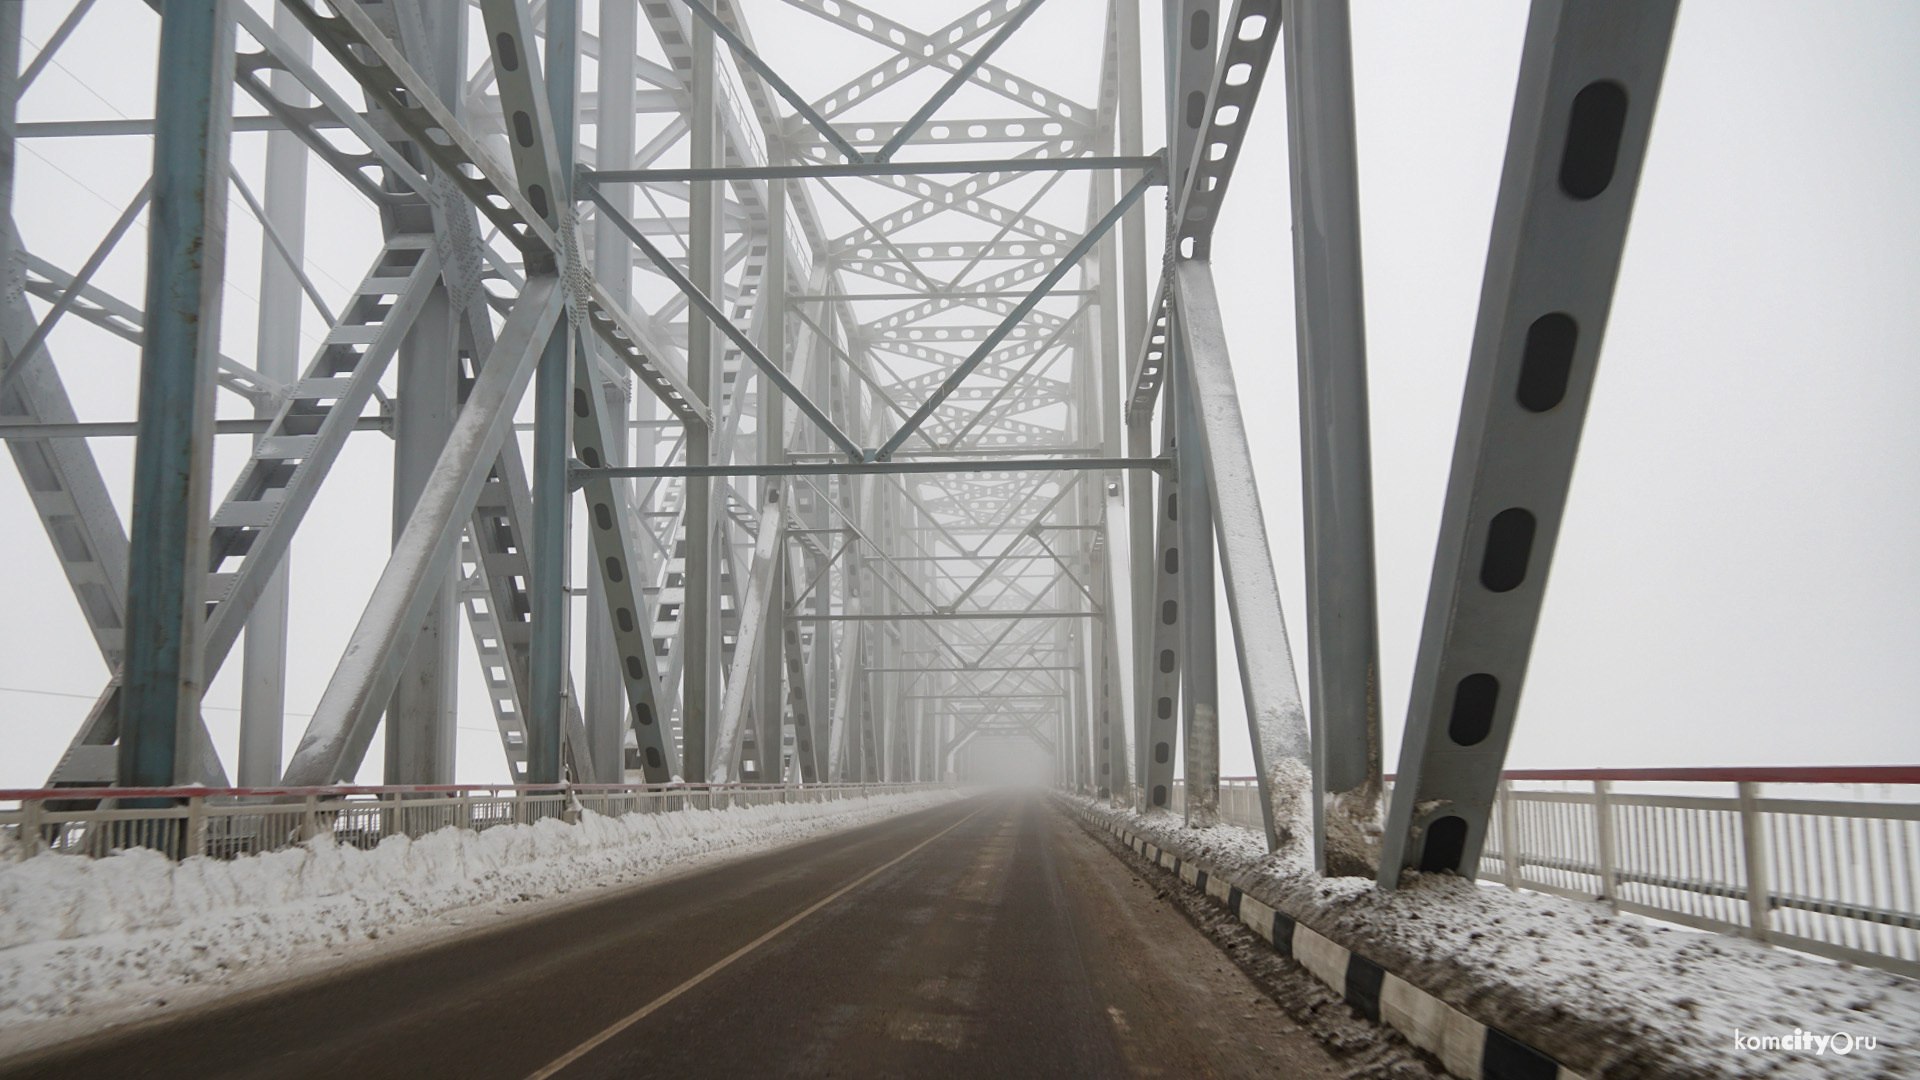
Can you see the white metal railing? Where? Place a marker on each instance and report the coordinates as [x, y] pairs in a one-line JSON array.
[[1825, 860], [229, 822]]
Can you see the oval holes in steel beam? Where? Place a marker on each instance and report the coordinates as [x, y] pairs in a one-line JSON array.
[[1445, 844], [1509, 545], [1473, 701], [1598, 120], [1546, 362]]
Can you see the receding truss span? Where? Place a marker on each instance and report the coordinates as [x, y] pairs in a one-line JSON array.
[[849, 407]]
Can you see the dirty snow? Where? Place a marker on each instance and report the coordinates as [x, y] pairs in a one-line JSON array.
[[78, 933], [1607, 994]]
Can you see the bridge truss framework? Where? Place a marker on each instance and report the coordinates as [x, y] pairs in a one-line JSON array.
[[876, 453]]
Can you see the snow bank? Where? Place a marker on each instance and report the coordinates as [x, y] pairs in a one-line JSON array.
[[78, 932], [1606, 994]]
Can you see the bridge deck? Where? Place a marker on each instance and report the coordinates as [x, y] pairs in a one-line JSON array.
[[986, 937]]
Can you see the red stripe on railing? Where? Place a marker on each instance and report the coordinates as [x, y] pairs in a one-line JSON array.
[[190, 791], [1738, 774]]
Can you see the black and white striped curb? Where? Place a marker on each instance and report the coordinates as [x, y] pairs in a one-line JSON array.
[[1466, 1047]]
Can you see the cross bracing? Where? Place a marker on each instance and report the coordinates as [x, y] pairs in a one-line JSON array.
[[847, 409]]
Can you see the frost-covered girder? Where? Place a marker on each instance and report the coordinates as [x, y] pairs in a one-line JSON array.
[[880, 396]]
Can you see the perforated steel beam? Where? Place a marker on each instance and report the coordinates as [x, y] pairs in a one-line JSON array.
[[1590, 77], [342, 726]]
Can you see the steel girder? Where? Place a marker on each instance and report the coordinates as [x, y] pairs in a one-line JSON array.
[[1590, 77], [951, 313]]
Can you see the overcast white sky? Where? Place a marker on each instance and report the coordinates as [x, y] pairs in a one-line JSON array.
[[1736, 581]]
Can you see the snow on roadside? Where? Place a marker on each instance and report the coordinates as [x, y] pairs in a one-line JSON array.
[[78, 933], [1574, 977]]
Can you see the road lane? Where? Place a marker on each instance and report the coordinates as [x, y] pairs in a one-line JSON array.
[[991, 936]]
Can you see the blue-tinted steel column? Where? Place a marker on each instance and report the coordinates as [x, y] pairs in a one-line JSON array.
[[193, 108], [1343, 651], [539, 117], [1590, 75]]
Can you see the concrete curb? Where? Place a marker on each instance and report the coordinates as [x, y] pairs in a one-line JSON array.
[[1466, 1047]]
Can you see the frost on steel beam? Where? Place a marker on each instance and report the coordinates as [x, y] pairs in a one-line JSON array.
[[1343, 651], [343, 722], [1276, 717], [753, 613], [1590, 75]]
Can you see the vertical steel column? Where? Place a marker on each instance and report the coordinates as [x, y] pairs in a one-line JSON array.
[[700, 614], [263, 687], [10, 17], [420, 728], [1190, 36], [1590, 75], [1159, 661], [553, 436], [604, 704], [1115, 718], [1343, 651], [1199, 669], [769, 706], [1090, 733], [1133, 228], [186, 251], [1139, 429], [12, 273]]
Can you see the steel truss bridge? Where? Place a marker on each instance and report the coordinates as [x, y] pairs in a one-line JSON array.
[[888, 426]]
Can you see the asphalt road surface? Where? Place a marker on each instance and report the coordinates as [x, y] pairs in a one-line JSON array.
[[989, 937]]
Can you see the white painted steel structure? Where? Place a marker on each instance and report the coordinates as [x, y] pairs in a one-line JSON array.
[[879, 435], [1792, 857]]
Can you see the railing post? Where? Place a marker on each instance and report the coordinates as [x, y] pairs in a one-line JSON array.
[[1756, 860], [1603, 827], [310, 822], [31, 813], [196, 826], [1509, 836]]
